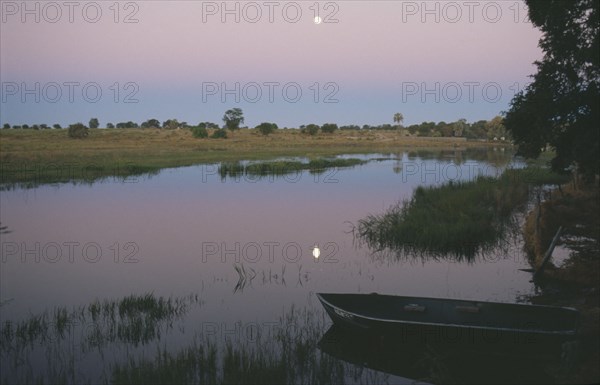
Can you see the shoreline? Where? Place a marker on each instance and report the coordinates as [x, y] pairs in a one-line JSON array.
[[576, 282], [29, 157]]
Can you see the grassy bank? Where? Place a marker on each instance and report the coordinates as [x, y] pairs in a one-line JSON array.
[[32, 157], [575, 282], [577, 211]]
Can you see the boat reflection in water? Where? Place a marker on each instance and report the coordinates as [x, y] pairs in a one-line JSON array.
[[421, 339], [442, 363]]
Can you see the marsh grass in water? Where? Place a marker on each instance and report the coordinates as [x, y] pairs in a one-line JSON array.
[[459, 219], [284, 167], [16, 176], [288, 354], [127, 341], [64, 336], [134, 319]]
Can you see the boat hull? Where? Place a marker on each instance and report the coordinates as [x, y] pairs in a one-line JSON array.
[[449, 321]]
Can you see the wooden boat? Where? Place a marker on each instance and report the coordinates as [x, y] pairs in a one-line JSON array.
[[418, 319]]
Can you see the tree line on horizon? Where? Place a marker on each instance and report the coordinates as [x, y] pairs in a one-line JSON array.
[[482, 129]]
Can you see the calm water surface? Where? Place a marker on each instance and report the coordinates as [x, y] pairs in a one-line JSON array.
[[187, 230]]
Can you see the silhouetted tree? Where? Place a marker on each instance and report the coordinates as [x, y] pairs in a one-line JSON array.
[[561, 106], [151, 123], [94, 123], [310, 129], [266, 128], [78, 131], [329, 128], [233, 118]]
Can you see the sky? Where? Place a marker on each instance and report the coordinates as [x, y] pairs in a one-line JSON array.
[[359, 62]]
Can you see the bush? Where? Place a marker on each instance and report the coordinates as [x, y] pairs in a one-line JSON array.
[[311, 129], [199, 132], [78, 131], [266, 128], [219, 134], [329, 128]]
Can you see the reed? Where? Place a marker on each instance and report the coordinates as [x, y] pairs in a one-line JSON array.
[[284, 167], [287, 356], [127, 340], [457, 219]]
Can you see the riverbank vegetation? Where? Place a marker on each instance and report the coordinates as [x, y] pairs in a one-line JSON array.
[[574, 279], [284, 167], [560, 110], [492, 129], [460, 219], [575, 208], [30, 158], [134, 340], [126, 340]]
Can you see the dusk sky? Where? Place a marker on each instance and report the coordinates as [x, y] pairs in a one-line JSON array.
[[192, 60]]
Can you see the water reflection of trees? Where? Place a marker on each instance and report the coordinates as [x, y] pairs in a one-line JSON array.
[[131, 175], [497, 157]]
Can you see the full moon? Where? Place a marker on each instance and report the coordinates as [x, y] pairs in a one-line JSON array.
[[318, 20], [316, 252]]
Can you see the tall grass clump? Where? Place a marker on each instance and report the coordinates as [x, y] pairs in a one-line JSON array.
[[57, 345], [284, 167], [199, 132], [275, 168], [284, 353], [459, 218], [324, 163], [67, 337]]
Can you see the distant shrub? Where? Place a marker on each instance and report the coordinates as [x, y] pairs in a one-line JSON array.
[[219, 134], [78, 131], [208, 125], [266, 128], [328, 128], [311, 129], [199, 132]]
